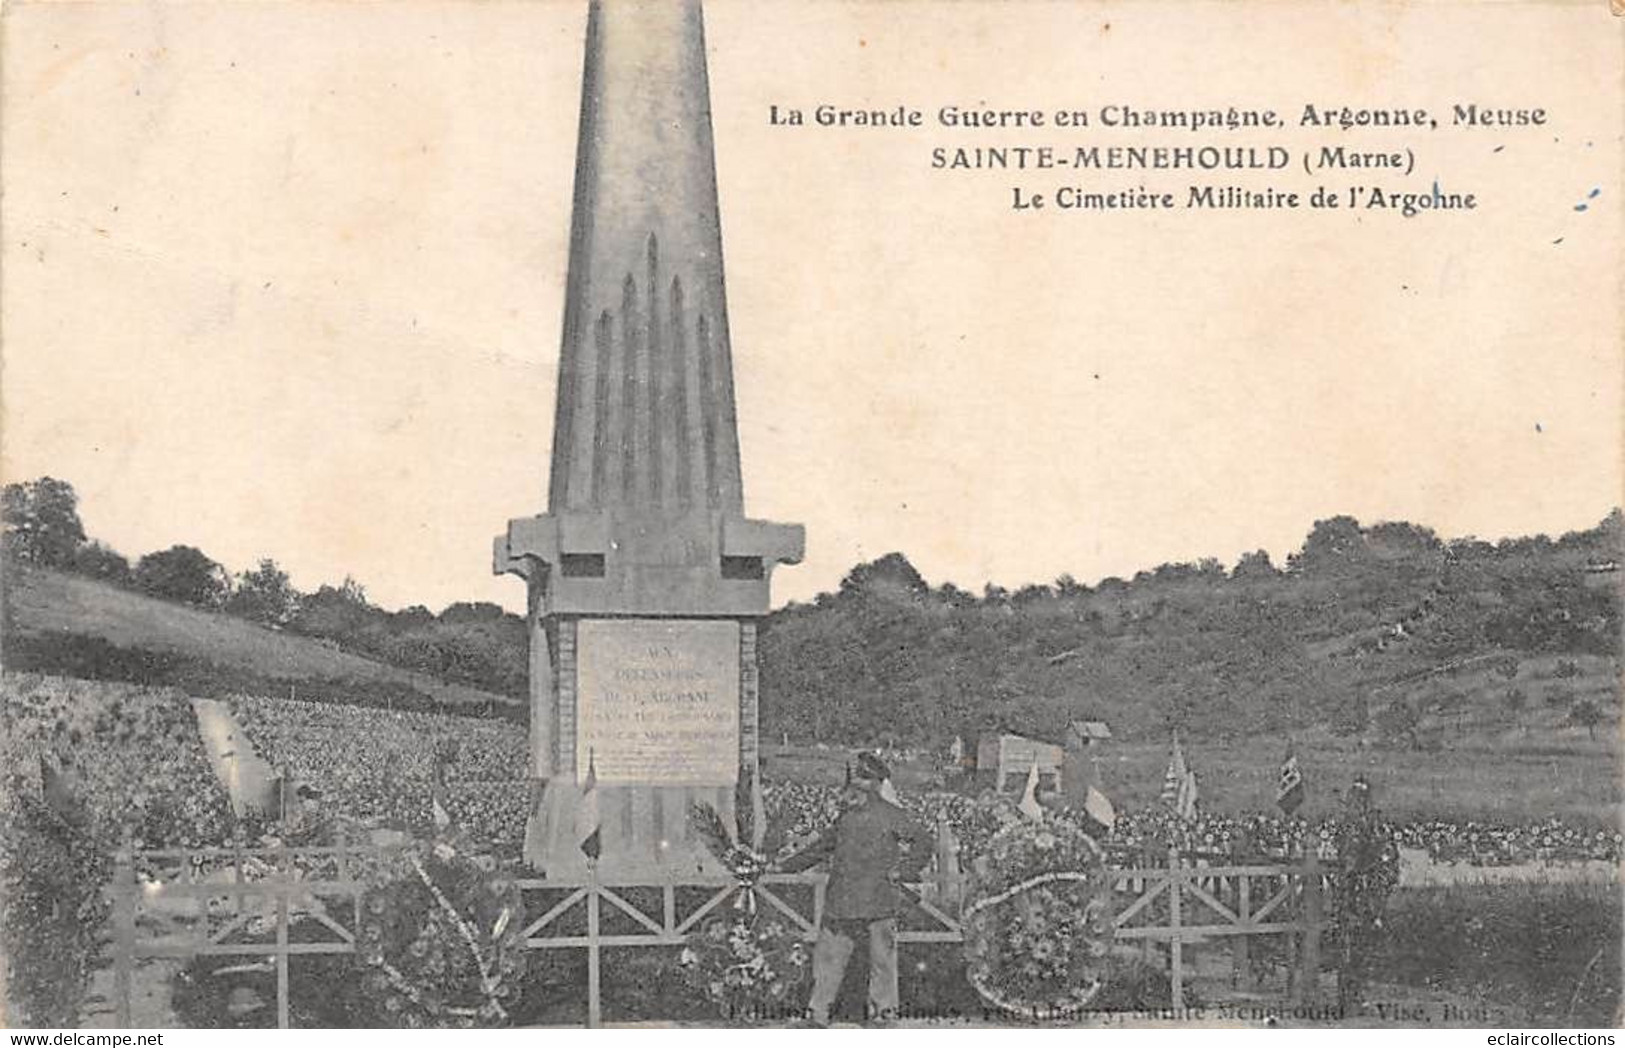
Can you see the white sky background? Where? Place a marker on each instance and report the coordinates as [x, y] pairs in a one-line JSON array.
[[286, 280]]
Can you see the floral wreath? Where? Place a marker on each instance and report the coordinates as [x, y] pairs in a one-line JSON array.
[[747, 966], [441, 940], [745, 963], [1037, 922]]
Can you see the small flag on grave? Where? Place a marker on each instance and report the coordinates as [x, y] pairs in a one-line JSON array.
[[1029, 796], [1185, 806], [587, 821], [1289, 793], [1174, 780], [1099, 808], [758, 811], [439, 808]]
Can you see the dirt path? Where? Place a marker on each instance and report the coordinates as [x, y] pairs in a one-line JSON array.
[[248, 777]]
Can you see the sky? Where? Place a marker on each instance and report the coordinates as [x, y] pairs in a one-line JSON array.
[[287, 279]]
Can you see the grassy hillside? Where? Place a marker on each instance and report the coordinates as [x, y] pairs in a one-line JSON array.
[[45, 606], [1380, 635]]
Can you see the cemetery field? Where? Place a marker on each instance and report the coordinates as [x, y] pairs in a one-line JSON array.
[[1467, 948], [1512, 778]]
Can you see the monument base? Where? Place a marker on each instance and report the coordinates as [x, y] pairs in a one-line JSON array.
[[644, 832]]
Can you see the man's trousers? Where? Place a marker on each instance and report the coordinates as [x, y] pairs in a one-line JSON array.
[[836, 941]]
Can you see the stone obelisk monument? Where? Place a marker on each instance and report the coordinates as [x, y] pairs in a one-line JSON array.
[[645, 577]]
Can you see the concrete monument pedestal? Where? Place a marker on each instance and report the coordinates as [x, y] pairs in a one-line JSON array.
[[645, 577]]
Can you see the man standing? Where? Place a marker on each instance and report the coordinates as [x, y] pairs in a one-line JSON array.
[[866, 847]]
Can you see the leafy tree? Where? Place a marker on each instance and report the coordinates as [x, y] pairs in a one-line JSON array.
[[184, 574], [1586, 714], [891, 575], [340, 613], [1113, 586], [1179, 571], [1404, 540], [1611, 532], [1607, 538], [96, 561], [1470, 549], [955, 597], [1528, 546], [42, 522], [415, 617], [1033, 593], [264, 595], [1255, 565], [477, 643], [1335, 546], [473, 613], [1069, 588]]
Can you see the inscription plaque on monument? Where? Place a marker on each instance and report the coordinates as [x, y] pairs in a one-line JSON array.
[[658, 701]]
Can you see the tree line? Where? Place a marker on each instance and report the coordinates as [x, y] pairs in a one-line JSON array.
[[1353, 633], [475, 643], [1362, 632]]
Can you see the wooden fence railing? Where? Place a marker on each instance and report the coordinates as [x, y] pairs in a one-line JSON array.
[[1182, 903], [229, 892], [235, 896]]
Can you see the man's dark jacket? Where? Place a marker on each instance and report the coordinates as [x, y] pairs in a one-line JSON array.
[[865, 849]]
